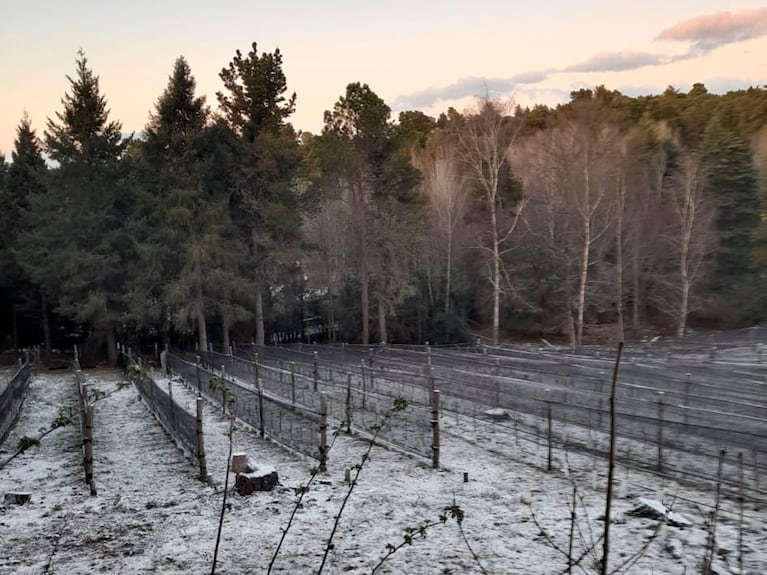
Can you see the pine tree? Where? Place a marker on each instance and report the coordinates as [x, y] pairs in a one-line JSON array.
[[265, 201], [365, 162], [26, 179], [733, 183], [77, 241], [189, 259]]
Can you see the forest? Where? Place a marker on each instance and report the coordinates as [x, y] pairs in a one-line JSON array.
[[601, 219]]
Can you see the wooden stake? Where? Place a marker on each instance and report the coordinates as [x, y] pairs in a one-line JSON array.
[[740, 512], [315, 371], [323, 433], [261, 425], [611, 468], [348, 403], [200, 442], [660, 431], [435, 429], [548, 417]]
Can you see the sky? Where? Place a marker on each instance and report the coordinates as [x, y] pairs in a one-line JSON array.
[[415, 54]]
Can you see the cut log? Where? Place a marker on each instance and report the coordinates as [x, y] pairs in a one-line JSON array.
[[247, 483], [17, 498]]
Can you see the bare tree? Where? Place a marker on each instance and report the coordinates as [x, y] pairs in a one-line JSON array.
[[591, 147], [485, 136], [691, 235], [446, 189]]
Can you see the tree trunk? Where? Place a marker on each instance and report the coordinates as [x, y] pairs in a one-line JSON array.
[[14, 327], [584, 271], [682, 326], [258, 287], [332, 317], [449, 270], [260, 334], [619, 258], [225, 327], [635, 288], [364, 291], [46, 320], [381, 320], [111, 346], [202, 327], [496, 275]]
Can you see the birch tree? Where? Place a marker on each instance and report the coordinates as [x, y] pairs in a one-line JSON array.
[[485, 136], [692, 231]]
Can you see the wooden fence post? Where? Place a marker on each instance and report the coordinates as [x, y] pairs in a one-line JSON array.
[[740, 510], [197, 373], [435, 429], [293, 382], [660, 431], [223, 388], [315, 371], [87, 419], [548, 417], [323, 433], [89, 450], [348, 403], [261, 424], [200, 442]]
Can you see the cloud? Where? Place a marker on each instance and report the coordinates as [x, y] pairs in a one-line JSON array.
[[714, 30], [617, 62], [466, 87], [704, 33]]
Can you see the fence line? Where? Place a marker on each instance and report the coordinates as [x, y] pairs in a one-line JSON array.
[[292, 424], [185, 428], [12, 397], [678, 405], [358, 397], [86, 427]]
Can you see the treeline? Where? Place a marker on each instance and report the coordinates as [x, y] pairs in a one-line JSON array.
[[607, 216]]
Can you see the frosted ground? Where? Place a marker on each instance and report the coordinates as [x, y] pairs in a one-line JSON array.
[[152, 515]]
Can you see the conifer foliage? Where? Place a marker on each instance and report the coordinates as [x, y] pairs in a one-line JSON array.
[[220, 221]]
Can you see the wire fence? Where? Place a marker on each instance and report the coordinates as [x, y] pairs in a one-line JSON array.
[[12, 396], [359, 396], [185, 428], [299, 426], [680, 401]]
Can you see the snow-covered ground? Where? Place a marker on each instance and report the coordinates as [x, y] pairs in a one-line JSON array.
[[152, 515]]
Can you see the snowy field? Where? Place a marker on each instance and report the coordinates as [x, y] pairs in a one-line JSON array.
[[152, 514]]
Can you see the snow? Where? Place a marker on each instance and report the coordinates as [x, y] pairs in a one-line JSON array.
[[152, 514], [658, 510]]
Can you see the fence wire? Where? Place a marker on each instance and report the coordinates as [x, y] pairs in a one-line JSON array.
[[293, 424], [680, 401], [357, 395], [181, 424], [12, 397]]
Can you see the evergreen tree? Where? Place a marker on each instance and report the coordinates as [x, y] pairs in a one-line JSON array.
[[366, 163], [732, 182], [26, 179], [77, 242], [265, 202], [187, 245]]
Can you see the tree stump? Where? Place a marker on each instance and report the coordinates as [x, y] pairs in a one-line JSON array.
[[247, 483], [17, 498]]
